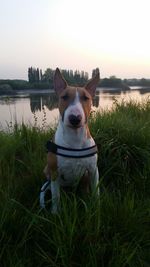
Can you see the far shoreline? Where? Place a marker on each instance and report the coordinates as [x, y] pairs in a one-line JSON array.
[[21, 91]]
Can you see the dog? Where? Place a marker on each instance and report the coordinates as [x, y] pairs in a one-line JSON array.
[[72, 158]]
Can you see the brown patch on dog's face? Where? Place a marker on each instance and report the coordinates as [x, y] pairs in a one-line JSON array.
[[85, 100], [68, 96]]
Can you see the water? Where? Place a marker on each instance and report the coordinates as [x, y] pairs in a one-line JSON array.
[[40, 107]]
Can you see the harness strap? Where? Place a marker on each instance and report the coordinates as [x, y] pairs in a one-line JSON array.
[[45, 188], [71, 152]]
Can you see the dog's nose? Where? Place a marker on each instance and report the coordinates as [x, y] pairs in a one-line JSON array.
[[75, 120]]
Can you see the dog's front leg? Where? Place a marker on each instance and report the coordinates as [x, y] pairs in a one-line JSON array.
[[95, 181], [55, 191]]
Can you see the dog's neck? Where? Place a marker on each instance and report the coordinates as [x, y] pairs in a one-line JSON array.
[[72, 138]]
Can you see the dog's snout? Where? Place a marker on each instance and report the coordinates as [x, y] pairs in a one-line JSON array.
[[75, 120]]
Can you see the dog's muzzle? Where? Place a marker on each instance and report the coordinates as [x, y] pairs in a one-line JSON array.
[[75, 120]]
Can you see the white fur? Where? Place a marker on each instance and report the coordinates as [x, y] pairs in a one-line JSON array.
[[75, 108]]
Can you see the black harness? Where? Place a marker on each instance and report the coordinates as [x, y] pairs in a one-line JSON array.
[[71, 152]]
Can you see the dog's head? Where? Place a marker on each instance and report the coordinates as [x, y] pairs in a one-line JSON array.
[[74, 102]]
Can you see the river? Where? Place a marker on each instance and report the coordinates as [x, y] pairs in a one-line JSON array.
[[39, 107]]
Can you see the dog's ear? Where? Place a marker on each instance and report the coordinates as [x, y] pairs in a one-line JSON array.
[[59, 82], [91, 85]]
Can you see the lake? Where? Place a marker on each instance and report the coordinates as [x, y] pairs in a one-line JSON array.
[[39, 107]]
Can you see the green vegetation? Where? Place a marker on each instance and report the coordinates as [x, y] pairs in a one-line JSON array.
[[137, 82], [9, 86], [114, 82], [114, 232], [39, 80]]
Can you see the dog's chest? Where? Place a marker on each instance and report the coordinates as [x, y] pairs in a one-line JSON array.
[[71, 169]]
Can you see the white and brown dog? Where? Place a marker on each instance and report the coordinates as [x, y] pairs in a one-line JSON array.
[[72, 158]]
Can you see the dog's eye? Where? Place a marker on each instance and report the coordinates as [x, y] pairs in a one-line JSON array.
[[85, 98], [65, 97]]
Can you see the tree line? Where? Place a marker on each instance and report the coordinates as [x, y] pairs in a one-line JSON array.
[[36, 76], [45, 80], [37, 79]]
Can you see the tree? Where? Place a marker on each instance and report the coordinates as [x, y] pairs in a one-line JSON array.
[[113, 77], [30, 77], [48, 75], [37, 75], [41, 75], [95, 71], [33, 75]]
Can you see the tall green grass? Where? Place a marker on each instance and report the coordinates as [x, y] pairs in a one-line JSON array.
[[114, 232]]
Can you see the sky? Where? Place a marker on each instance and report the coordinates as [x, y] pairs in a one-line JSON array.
[[75, 34]]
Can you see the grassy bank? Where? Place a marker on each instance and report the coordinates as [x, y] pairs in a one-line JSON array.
[[115, 233]]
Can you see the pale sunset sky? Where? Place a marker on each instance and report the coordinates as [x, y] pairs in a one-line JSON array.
[[75, 34]]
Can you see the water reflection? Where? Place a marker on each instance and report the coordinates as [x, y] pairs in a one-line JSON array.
[[144, 91], [108, 96], [37, 102], [24, 106]]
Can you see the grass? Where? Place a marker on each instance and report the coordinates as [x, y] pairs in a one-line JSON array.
[[114, 233]]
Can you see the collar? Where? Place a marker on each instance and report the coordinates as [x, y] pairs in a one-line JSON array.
[[70, 152]]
